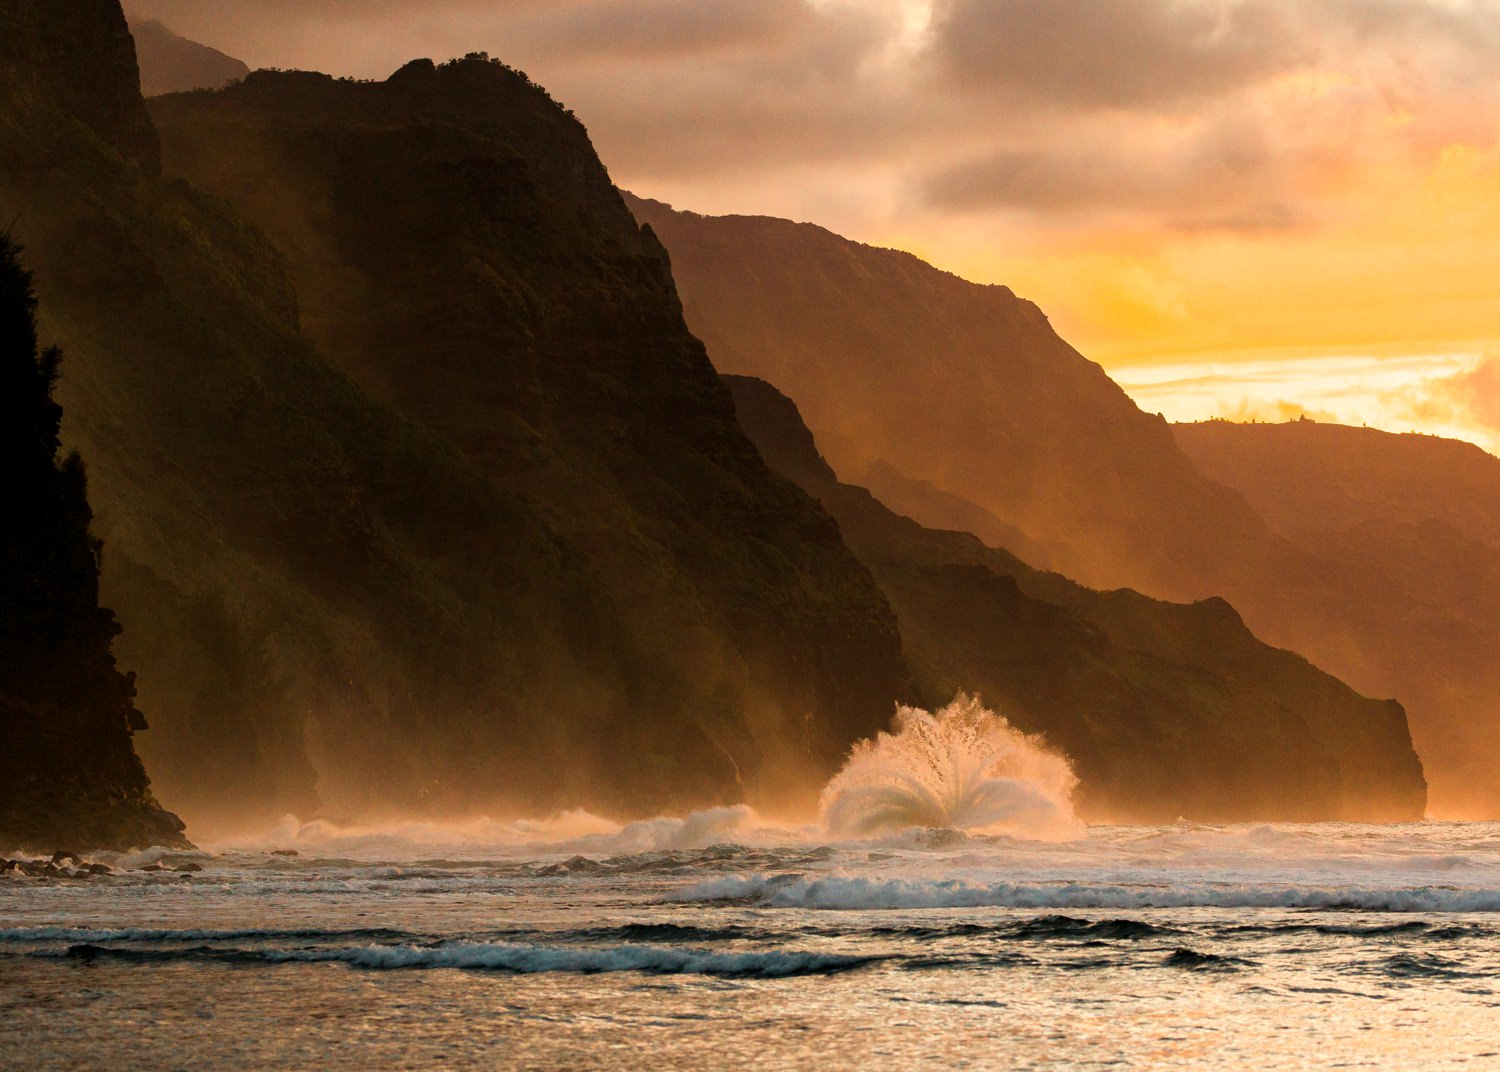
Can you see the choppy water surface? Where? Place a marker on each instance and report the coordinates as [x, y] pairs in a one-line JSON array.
[[718, 942]]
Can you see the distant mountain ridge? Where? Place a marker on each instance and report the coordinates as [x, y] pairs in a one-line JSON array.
[[960, 403], [905, 371], [173, 64], [1166, 710], [1417, 520]]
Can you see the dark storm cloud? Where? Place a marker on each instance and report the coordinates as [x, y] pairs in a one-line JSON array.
[[664, 28], [1184, 113], [1208, 170], [1228, 176], [1094, 53], [1227, 115], [1170, 54]]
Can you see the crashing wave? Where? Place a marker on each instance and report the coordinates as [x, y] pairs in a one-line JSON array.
[[963, 767]]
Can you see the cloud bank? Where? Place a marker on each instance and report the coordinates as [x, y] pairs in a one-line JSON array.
[[1191, 114]]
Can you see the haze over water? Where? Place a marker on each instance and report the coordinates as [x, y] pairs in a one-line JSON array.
[[711, 942], [721, 939]]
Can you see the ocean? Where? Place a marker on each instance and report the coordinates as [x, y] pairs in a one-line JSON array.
[[723, 940]]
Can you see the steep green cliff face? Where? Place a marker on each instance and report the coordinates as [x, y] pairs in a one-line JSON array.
[[1416, 520], [1166, 709], [68, 773], [460, 251], [465, 524]]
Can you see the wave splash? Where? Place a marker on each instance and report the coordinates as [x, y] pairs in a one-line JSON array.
[[963, 767]]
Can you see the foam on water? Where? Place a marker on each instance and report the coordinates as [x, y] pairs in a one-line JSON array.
[[857, 892], [501, 957], [581, 943], [481, 837]]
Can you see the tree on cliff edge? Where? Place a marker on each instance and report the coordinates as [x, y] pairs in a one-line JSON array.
[[68, 771]]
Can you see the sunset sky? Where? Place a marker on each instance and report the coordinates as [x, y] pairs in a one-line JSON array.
[[1250, 208]]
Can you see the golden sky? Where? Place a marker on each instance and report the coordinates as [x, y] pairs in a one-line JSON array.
[[1238, 207]]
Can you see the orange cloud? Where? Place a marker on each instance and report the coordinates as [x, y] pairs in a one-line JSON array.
[[1467, 399]]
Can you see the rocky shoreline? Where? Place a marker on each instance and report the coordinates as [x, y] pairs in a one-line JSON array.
[[70, 865]]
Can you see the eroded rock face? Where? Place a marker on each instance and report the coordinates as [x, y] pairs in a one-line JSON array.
[[1165, 709]]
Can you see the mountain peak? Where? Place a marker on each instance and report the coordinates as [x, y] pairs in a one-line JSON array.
[[173, 64]]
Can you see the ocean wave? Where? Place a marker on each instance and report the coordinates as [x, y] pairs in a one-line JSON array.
[[855, 893], [499, 957], [1046, 927], [1193, 960], [667, 932], [1423, 966], [569, 833], [1407, 928]]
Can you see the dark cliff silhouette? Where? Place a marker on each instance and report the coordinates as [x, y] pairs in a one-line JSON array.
[[68, 773], [463, 520], [458, 250], [1415, 522], [1166, 709]]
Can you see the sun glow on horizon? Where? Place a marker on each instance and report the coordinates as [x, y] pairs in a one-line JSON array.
[[1394, 394], [1373, 318]]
